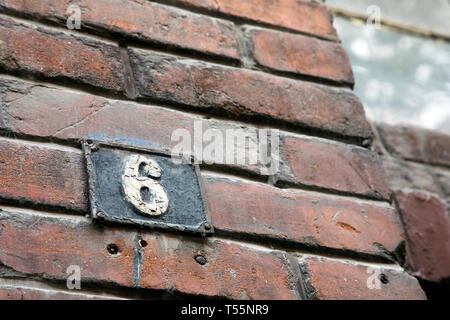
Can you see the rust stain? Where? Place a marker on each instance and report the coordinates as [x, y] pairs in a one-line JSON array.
[[347, 227]]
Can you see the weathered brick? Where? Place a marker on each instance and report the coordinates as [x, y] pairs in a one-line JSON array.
[[443, 179], [43, 175], [304, 16], [27, 108], [40, 174], [427, 225], [141, 20], [45, 111], [57, 55], [337, 166], [340, 280], [248, 93], [376, 145], [299, 54], [231, 270], [46, 246], [417, 144], [24, 293], [302, 217], [405, 174]]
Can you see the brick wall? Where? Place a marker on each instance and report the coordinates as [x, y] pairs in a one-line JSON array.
[[323, 227], [417, 166]]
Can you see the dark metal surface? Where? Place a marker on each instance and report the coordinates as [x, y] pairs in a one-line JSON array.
[[105, 159]]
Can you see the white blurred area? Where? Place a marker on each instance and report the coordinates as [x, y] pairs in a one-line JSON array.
[[401, 78]]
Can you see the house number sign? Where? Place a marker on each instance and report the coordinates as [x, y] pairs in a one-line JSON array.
[[130, 182]]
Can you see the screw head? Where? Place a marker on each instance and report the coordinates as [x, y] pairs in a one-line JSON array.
[[207, 226]]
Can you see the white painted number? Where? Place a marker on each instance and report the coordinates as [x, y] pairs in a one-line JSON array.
[[140, 187]]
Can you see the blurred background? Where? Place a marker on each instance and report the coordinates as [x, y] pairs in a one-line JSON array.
[[400, 53]]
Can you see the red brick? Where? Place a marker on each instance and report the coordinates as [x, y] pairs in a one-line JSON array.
[[232, 270], [339, 280], [23, 293], [27, 48], [46, 111], [336, 166], [43, 111], [302, 217], [30, 109], [141, 20], [10, 294], [443, 178], [299, 54], [248, 93], [37, 110], [304, 16], [405, 174], [42, 175], [427, 224], [46, 246], [376, 145], [417, 144]]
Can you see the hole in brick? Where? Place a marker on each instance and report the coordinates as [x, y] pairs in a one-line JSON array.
[[383, 278], [200, 259], [112, 248], [143, 243]]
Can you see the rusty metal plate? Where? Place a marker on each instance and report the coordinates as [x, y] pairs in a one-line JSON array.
[[132, 183]]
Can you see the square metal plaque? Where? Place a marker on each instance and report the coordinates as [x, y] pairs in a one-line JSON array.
[[132, 183]]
